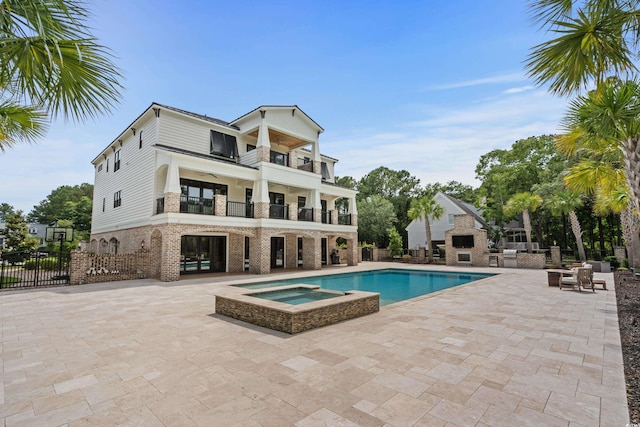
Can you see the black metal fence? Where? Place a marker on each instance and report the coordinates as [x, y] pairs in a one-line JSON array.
[[31, 269]]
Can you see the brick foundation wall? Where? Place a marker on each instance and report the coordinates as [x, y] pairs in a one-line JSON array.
[[165, 246], [87, 267]]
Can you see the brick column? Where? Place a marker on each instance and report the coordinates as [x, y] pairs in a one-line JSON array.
[[354, 219], [236, 253], [170, 260], [78, 267], [261, 210], [334, 216], [317, 167], [317, 214], [556, 256], [172, 202], [311, 253], [220, 205], [352, 251], [263, 154], [260, 254], [291, 251], [293, 211]]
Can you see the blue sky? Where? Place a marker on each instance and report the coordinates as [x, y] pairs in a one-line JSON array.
[[426, 86]]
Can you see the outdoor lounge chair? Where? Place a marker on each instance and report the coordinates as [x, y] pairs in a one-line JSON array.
[[580, 280], [598, 281]]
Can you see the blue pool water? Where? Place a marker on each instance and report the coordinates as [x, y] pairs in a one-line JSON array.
[[295, 296], [393, 284]]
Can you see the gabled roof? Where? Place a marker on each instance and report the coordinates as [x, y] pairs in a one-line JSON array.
[[467, 208], [281, 107]]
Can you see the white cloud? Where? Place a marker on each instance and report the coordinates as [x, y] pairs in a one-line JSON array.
[[518, 89], [447, 143], [498, 79]]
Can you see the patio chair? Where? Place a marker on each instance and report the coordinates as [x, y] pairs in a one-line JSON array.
[[601, 282], [580, 280]]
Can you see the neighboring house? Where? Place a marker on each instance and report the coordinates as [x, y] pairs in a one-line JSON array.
[[205, 195], [417, 236], [35, 230]]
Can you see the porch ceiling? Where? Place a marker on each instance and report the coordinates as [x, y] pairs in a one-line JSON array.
[[282, 139]]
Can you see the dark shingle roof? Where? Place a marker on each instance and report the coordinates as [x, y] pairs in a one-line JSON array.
[[198, 116]]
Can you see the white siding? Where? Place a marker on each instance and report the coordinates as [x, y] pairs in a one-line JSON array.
[[417, 235], [134, 179], [177, 130]]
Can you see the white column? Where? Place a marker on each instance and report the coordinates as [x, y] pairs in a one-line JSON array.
[[172, 183]]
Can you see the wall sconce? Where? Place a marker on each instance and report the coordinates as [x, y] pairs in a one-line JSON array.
[[134, 131], [142, 245]]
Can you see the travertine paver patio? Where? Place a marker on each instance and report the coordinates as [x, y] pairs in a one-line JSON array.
[[507, 350]]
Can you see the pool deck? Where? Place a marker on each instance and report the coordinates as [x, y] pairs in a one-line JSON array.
[[503, 351]]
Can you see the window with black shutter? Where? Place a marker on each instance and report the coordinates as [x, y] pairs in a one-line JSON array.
[[223, 145]]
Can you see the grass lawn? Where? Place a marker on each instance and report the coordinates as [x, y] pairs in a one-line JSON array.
[[5, 281]]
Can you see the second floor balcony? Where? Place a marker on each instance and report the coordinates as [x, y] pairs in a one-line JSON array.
[[219, 206]]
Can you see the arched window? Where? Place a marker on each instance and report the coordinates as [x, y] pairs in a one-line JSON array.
[[113, 246]]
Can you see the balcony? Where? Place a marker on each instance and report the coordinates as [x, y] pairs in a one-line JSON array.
[[344, 219], [197, 205], [279, 211], [305, 166], [305, 214], [239, 209]]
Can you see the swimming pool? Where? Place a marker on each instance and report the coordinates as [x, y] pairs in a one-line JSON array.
[[393, 285]]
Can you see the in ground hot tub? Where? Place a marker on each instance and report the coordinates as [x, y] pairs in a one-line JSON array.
[[297, 295], [295, 308]]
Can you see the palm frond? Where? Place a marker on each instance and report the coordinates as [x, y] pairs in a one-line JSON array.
[[588, 46], [20, 124]]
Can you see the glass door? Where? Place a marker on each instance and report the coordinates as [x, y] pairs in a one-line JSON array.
[[203, 254], [277, 252]]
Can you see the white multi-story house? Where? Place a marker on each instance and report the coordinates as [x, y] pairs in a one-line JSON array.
[[205, 195], [417, 235]]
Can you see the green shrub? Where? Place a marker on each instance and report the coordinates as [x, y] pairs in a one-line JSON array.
[[625, 263], [614, 261], [50, 264]]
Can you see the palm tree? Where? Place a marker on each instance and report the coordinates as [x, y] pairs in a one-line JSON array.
[[618, 202], [565, 203], [593, 39], [50, 66], [423, 208], [524, 203], [604, 123]]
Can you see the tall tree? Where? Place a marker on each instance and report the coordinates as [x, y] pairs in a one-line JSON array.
[[524, 203], [594, 41], [504, 173], [455, 189], [55, 207], [375, 217], [565, 203], [50, 65], [398, 187], [609, 119], [424, 208], [17, 233], [5, 210]]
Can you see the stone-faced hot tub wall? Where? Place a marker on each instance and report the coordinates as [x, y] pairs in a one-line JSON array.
[[295, 318]]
